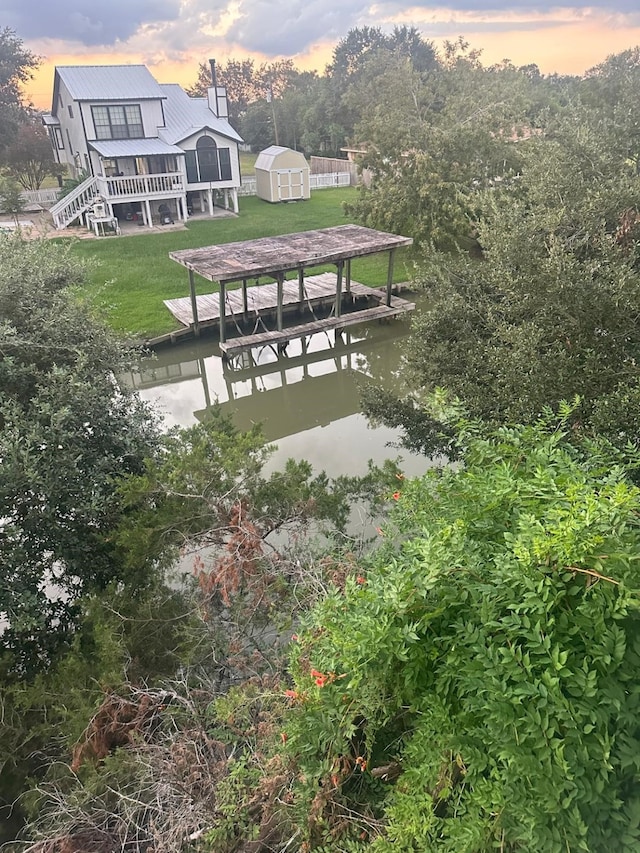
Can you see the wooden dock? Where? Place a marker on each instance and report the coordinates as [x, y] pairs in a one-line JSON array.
[[262, 300]]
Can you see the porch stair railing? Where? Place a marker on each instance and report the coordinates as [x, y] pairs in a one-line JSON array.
[[77, 202]]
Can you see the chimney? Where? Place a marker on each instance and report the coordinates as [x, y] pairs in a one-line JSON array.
[[217, 95]]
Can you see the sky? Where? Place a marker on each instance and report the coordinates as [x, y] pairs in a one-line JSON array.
[[172, 37]]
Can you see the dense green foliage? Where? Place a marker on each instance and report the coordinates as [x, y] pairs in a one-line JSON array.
[[68, 434], [29, 158], [487, 658], [546, 308], [16, 66], [435, 140], [468, 684]]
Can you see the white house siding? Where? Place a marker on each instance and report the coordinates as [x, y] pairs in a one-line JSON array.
[[71, 128], [189, 144], [151, 112]]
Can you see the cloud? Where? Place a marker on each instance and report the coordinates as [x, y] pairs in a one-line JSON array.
[[90, 23], [161, 32], [533, 6], [291, 26]]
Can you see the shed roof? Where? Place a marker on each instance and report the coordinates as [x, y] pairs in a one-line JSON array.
[[185, 116], [266, 159], [269, 255], [133, 147], [108, 82]]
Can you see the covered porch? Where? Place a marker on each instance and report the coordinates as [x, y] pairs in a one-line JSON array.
[[140, 179]]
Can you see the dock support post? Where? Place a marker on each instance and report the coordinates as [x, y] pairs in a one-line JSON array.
[[280, 280], [205, 383], [245, 304], [339, 266], [222, 295], [347, 282], [300, 286], [390, 277], [194, 304]]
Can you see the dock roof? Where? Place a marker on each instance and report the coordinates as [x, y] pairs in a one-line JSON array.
[[269, 255]]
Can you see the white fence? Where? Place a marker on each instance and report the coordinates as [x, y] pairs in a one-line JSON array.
[[316, 182], [332, 179], [44, 197], [248, 186]]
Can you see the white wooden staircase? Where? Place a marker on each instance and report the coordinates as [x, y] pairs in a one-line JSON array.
[[77, 202]]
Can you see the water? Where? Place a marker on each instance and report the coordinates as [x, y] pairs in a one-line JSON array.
[[308, 399]]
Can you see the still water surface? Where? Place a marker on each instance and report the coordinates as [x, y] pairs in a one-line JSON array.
[[307, 399]]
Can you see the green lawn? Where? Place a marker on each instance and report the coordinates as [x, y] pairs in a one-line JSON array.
[[131, 276], [247, 163]]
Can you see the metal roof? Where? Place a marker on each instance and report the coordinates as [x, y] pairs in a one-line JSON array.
[[109, 82], [133, 147], [185, 116], [266, 159], [49, 120], [269, 255]]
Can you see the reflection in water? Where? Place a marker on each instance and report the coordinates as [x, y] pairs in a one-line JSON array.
[[307, 399]]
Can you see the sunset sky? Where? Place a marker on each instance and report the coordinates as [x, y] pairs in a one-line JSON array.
[[172, 36]]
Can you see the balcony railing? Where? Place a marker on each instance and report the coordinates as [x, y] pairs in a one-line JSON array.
[[140, 186]]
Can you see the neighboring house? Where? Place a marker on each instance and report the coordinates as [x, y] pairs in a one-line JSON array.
[[150, 151]]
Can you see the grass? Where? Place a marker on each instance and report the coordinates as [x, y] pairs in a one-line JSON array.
[[247, 163], [131, 276]]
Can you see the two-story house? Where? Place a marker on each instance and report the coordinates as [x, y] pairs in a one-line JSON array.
[[149, 150]]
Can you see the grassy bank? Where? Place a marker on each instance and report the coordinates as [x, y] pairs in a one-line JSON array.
[[131, 276]]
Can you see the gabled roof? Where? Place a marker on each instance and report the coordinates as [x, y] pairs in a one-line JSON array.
[[133, 147], [266, 159], [185, 116], [107, 83]]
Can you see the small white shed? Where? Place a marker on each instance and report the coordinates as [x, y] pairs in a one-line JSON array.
[[282, 174]]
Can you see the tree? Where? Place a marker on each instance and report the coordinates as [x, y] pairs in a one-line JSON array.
[[550, 312], [434, 140], [16, 67], [361, 44], [258, 558], [611, 88], [366, 52], [478, 674], [29, 158], [69, 434], [11, 200]]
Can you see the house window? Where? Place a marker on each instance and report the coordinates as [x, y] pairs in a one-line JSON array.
[[208, 163], [109, 168], [59, 139], [118, 122], [70, 111]]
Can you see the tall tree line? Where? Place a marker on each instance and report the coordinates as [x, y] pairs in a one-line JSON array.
[[276, 103]]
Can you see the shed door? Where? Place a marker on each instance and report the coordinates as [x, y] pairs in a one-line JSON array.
[[290, 185]]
